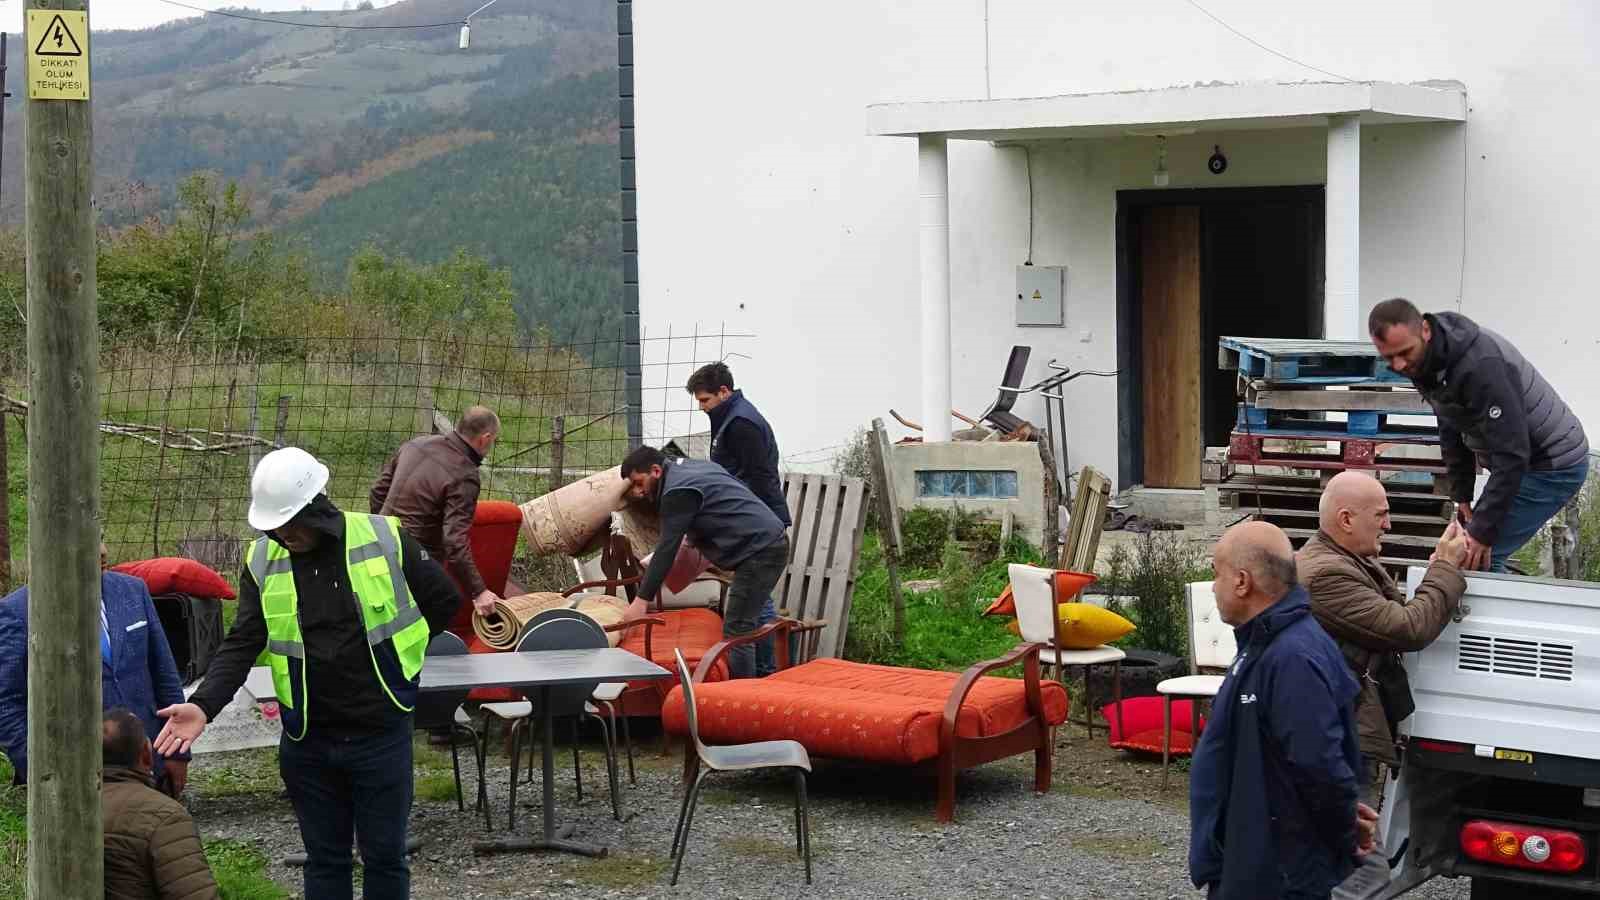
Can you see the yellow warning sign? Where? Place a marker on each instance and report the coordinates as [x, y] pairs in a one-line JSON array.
[[1037, 295], [58, 54]]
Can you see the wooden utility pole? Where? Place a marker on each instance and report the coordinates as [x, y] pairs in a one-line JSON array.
[[888, 522], [1052, 506], [65, 845]]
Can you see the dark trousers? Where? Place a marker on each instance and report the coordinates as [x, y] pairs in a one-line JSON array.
[[753, 581], [352, 787]]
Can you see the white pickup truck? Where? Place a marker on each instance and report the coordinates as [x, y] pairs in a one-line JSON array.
[[1500, 780]]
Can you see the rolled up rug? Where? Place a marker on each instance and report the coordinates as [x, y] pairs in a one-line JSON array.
[[567, 519], [503, 627]]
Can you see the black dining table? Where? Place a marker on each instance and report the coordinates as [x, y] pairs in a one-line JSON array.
[[539, 671]]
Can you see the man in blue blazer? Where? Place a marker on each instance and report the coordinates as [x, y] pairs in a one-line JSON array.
[[137, 670]]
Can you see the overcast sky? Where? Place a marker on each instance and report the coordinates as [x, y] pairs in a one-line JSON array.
[[106, 15]]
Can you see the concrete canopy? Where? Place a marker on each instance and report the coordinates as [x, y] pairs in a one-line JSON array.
[[1175, 110]]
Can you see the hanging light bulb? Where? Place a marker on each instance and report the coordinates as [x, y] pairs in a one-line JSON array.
[[1161, 161], [466, 32]]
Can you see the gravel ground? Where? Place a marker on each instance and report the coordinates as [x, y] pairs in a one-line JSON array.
[[1104, 830]]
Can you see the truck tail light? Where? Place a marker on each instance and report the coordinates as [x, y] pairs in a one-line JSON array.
[[1523, 846]]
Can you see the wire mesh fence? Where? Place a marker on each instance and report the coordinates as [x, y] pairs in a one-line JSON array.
[[184, 421]]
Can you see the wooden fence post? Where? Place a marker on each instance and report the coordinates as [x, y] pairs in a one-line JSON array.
[[66, 847], [1052, 507], [282, 424], [558, 452], [888, 522]]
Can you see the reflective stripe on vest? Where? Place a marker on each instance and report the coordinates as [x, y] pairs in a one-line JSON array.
[[390, 617]]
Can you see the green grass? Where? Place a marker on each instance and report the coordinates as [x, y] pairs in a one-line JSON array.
[[619, 871], [943, 627], [240, 774], [436, 787], [240, 871]]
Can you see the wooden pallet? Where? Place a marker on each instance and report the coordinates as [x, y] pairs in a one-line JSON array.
[[1363, 397], [1354, 453], [1284, 361], [830, 519], [1088, 519], [1302, 425]]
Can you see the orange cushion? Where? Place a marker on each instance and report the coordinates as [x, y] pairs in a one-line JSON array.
[[1003, 605], [994, 705], [855, 711], [694, 631], [1068, 584], [495, 527]]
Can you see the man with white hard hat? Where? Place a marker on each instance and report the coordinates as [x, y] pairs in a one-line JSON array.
[[344, 605]]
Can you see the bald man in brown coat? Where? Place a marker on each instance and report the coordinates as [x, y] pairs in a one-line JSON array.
[[1365, 611]]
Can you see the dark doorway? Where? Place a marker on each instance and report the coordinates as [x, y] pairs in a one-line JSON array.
[[1259, 257]]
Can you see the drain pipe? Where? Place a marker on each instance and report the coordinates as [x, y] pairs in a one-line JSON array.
[[633, 370]]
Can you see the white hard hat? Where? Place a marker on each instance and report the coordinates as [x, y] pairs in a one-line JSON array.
[[284, 482]]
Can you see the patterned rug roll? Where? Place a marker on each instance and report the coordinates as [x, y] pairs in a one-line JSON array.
[[502, 628], [567, 519]]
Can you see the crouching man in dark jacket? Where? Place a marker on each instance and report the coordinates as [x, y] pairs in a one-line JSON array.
[[1273, 810]]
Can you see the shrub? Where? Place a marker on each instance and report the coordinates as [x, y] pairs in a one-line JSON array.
[[1146, 585]]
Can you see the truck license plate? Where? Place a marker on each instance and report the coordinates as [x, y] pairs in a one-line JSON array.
[[1521, 756]]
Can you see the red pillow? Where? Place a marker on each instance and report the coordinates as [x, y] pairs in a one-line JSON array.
[[1068, 585], [1141, 717], [176, 575]]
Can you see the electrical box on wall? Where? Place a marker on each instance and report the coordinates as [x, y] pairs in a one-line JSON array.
[[1040, 293]]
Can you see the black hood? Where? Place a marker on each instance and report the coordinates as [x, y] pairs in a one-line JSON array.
[[1452, 335], [321, 516]]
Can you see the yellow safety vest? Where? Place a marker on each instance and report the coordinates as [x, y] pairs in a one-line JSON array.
[[397, 634]]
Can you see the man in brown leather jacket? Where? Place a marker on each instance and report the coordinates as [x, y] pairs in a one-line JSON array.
[[152, 849], [1360, 606], [431, 486]]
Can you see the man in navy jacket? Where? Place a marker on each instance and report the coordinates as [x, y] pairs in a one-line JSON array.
[[1273, 789], [137, 670]]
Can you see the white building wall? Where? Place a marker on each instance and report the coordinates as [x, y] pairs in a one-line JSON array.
[[764, 206]]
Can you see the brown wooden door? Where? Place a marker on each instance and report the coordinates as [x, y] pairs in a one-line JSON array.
[[1169, 260]]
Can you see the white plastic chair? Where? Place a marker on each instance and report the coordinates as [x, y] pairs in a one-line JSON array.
[[1211, 646], [1033, 589]]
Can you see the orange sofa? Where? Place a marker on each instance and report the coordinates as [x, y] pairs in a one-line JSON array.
[[938, 721]]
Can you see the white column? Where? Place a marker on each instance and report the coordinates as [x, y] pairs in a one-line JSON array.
[[933, 217], [1342, 232]]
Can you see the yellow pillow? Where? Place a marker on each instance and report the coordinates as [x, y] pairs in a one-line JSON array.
[[1085, 626]]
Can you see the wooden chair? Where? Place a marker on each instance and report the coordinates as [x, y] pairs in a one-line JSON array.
[[1211, 647], [1035, 592]]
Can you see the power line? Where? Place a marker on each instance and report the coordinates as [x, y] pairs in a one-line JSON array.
[[1252, 40], [262, 19]]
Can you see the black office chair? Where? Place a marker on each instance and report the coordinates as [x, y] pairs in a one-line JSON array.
[[999, 413], [441, 712]]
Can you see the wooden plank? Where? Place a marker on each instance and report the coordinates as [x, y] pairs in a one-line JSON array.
[[884, 475], [1401, 518], [1312, 399], [1089, 516], [1298, 346], [1170, 336], [805, 536], [1390, 541], [1288, 484], [840, 579], [793, 491], [827, 520], [858, 535]]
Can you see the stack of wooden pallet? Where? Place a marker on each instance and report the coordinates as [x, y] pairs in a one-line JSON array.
[[1310, 409]]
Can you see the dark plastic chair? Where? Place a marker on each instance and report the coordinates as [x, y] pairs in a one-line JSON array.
[[739, 758], [999, 412], [562, 629], [442, 712]]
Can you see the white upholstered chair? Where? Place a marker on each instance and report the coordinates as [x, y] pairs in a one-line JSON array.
[[1211, 649], [1033, 589]]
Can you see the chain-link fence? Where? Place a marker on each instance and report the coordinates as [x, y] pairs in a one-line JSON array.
[[184, 421]]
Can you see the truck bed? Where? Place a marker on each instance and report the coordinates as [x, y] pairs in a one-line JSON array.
[[1520, 670]]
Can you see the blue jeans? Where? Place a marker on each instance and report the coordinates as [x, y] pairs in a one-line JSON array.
[[766, 656], [340, 785], [1541, 496], [749, 603]]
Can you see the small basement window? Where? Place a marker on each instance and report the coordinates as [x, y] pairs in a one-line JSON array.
[[973, 484]]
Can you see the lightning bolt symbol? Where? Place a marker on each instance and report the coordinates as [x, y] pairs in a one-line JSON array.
[[58, 37]]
